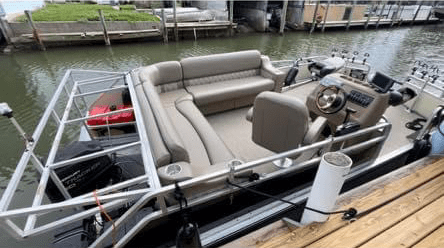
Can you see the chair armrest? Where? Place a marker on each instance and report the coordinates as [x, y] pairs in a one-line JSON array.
[[268, 71], [315, 130]]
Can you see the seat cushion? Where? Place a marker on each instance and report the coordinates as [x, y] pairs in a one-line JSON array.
[[216, 149], [230, 89]]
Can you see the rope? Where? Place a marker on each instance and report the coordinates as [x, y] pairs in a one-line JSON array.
[[108, 217], [348, 214]]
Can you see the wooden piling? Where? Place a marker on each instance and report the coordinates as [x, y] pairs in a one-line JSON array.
[[400, 21], [176, 30], [105, 31], [351, 15], [313, 22], [6, 30], [416, 13], [283, 17], [380, 14], [231, 16], [369, 15], [165, 28], [395, 14], [325, 17], [430, 12], [35, 32]]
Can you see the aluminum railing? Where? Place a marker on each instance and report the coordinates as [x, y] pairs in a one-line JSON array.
[[137, 197]]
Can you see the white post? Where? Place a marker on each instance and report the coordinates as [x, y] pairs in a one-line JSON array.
[[327, 184]]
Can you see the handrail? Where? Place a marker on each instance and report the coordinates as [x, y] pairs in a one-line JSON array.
[[107, 195]]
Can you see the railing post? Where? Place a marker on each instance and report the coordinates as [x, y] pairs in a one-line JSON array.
[[35, 32], [105, 32]]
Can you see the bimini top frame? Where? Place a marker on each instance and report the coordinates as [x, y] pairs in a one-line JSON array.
[[71, 102]]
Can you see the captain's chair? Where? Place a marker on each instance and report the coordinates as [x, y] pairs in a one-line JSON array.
[[281, 123]]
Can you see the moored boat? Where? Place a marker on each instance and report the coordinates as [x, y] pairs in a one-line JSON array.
[[197, 123]]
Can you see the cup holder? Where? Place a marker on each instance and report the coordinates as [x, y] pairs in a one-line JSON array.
[[173, 169], [234, 162]]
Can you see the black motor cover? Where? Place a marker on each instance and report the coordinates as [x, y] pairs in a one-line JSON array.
[[82, 177]]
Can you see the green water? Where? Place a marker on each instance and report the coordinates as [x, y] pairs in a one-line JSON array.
[[29, 78]]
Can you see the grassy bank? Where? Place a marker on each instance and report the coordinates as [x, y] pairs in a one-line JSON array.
[[87, 12]]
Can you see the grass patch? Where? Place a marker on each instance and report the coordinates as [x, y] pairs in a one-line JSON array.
[[87, 12]]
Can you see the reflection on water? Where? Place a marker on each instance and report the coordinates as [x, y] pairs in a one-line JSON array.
[[29, 78]]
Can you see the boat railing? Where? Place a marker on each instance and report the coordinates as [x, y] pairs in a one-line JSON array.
[[429, 94], [112, 197], [304, 75]]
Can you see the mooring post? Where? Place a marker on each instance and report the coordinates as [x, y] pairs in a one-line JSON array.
[[395, 14], [325, 16], [231, 16], [369, 15], [35, 33], [330, 177], [6, 30], [176, 31], [105, 31], [351, 15], [165, 28], [283, 17], [313, 22], [380, 14], [416, 13]]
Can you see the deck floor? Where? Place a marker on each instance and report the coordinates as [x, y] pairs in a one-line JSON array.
[[415, 217], [235, 130]]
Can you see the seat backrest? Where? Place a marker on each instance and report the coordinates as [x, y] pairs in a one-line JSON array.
[[217, 67], [280, 121], [164, 76]]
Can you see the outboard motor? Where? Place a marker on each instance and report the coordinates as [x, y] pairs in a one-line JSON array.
[[292, 73], [327, 66]]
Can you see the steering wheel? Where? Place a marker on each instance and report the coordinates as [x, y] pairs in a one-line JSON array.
[[331, 99]]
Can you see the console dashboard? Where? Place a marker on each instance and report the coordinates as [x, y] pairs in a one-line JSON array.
[[341, 98]]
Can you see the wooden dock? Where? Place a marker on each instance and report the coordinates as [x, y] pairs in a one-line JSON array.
[[415, 217], [375, 22]]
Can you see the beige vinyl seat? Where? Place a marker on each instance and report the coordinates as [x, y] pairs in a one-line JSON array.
[[281, 123]]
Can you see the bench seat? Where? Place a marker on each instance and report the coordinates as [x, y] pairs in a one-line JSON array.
[[172, 96], [205, 94]]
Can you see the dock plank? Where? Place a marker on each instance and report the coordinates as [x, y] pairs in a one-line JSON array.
[[413, 229], [436, 239], [309, 234], [377, 222]]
